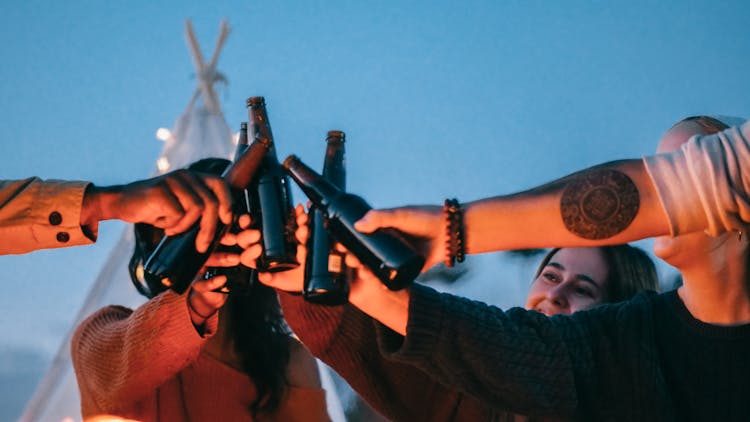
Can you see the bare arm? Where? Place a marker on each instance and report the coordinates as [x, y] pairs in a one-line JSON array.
[[701, 186], [611, 203]]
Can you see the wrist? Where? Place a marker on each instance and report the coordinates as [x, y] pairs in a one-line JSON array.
[[390, 308], [99, 203], [455, 241], [199, 317]]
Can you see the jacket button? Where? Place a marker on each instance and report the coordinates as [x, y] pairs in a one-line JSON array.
[[63, 237], [55, 218]]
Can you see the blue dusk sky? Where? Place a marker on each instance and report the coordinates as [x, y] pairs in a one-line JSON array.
[[437, 98]]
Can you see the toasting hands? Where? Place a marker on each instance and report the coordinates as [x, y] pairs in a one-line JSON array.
[[174, 202]]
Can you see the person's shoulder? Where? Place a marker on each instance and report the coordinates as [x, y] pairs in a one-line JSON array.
[[97, 322], [302, 370], [112, 311], [105, 315]]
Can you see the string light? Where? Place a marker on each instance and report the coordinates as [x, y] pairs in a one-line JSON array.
[[162, 164], [163, 134]]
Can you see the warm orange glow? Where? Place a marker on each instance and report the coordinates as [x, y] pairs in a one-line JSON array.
[[103, 418]]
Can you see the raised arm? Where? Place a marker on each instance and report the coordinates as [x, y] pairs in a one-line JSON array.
[[702, 186], [345, 339], [37, 214]]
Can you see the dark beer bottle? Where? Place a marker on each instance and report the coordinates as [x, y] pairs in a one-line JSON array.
[[239, 277], [326, 275], [271, 199], [243, 207], [384, 252], [175, 262]]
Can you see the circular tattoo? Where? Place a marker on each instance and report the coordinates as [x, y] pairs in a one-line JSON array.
[[598, 204]]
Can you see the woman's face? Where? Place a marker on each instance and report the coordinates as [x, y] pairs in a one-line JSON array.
[[574, 279]]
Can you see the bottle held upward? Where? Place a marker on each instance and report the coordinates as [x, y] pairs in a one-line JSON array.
[[175, 262], [326, 274], [384, 252], [271, 199]]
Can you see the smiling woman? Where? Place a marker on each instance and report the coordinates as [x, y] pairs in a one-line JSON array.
[[574, 279]]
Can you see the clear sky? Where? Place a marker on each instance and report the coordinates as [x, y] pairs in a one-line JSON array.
[[438, 98]]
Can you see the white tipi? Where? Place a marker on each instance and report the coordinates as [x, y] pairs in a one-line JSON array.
[[199, 132]]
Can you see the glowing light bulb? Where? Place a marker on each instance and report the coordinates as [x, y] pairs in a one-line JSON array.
[[163, 134], [162, 164]]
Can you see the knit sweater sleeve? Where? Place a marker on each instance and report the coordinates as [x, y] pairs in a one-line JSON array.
[[345, 339], [120, 355], [516, 360], [703, 186]]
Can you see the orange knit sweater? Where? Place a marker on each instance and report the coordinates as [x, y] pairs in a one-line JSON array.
[[147, 365]]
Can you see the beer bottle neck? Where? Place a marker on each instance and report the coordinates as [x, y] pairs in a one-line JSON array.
[[319, 190]]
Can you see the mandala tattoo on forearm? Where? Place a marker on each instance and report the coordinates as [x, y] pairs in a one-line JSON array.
[[598, 204]]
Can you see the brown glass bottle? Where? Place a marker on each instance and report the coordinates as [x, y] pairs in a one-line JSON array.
[[239, 277], [326, 274], [384, 252], [271, 199], [175, 262]]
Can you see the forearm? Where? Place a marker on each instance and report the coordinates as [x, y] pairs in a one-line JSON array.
[[390, 308], [612, 203], [700, 187]]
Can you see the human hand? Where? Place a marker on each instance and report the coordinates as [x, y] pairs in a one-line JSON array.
[[375, 299], [207, 294], [247, 239], [424, 227], [174, 202], [205, 298]]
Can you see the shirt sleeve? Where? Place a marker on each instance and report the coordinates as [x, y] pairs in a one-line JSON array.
[[517, 360], [37, 214], [346, 340], [703, 186], [120, 355]]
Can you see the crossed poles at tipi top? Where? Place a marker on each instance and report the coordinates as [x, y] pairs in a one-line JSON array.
[[207, 73]]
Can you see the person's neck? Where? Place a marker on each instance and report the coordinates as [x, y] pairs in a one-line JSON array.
[[715, 290], [221, 345]]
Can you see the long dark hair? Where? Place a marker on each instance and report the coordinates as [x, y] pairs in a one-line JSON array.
[[261, 337], [262, 341]]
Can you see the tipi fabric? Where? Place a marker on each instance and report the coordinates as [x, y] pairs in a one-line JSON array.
[[200, 132]]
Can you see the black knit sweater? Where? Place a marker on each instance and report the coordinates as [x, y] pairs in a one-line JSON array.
[[643, 360]]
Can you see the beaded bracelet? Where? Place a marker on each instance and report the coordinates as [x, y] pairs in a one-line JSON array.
[[454, 230]]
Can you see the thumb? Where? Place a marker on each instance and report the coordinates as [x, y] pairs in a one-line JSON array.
[[369, 222]]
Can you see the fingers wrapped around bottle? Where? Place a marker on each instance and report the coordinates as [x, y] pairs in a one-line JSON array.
[[173, 202]]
